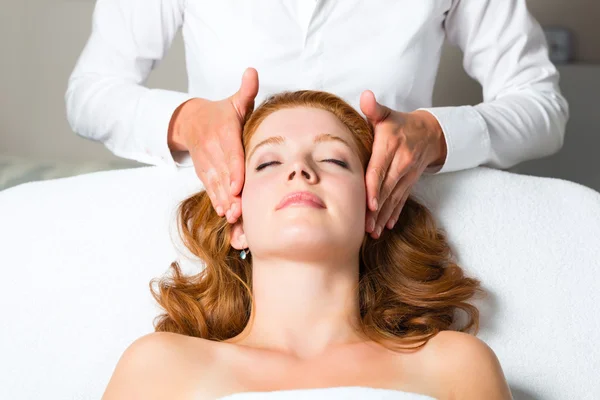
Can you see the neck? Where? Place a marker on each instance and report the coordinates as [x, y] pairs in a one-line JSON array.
[[303, 308]]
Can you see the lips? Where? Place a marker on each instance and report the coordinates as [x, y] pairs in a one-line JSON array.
[[301, 198]]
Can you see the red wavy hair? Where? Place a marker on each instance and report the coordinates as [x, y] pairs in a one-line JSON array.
[[409, 287]]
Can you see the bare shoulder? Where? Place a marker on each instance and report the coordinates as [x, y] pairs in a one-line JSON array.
[[151, 367], [466, 367]]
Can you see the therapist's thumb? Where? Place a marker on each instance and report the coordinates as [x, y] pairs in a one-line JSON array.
[[374, 111], [243, 99]]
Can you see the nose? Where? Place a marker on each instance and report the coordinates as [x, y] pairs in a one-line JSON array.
[[301, 169]]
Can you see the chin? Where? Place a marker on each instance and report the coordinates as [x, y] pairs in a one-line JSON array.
[[305, 233], [305, 252]]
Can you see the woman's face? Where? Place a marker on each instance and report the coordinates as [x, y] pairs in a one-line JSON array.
[[302, 154]]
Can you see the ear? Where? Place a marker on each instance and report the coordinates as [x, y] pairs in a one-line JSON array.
[[237, 237]]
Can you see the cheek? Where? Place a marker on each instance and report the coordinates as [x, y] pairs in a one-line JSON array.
[[356, 195], [353, 212], [254, 197], [352, 202]]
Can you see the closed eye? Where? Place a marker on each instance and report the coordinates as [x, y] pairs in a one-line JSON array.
[[338, 162], [331, 160], [264, 165]]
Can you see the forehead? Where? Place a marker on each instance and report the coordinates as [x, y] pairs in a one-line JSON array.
[[300, 123]]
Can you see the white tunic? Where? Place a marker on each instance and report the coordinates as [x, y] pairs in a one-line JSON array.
[[391, 47]]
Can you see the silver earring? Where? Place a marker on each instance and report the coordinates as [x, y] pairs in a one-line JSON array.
[[244, 253]]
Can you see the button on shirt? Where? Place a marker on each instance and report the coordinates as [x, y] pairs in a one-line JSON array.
[[391, 47]]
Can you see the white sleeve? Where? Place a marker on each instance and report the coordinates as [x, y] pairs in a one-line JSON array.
[[105, 98], [523, 115]]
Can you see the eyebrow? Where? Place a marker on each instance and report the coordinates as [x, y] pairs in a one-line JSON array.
[[323, 137]]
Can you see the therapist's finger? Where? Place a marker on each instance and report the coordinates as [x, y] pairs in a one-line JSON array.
[[235, 165], [208, 177], [398, 198], [235, 175], [223, 189], [387, 210], [374, 111], [243, 103], [235, 210], [212, 170], [382, 152], [204, 167], [233, 154], [401, 164], [243, 99], [377, 170], [398, 210]]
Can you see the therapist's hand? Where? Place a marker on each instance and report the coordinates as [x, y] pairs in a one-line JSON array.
[[405, 145], [212, 133]]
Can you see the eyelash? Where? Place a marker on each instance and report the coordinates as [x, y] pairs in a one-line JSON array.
[[338, 162]]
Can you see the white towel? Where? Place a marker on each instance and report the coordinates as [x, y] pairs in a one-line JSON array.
[[346, 393]]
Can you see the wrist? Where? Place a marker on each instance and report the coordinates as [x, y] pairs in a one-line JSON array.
[[438, 140], [175, 138]]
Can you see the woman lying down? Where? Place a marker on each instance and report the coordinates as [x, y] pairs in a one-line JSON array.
[[297, 300]]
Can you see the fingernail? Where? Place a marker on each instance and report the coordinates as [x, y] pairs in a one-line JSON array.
[[371, 225], [391, 224], [228, 213], [231, 186], [219, 210], [374, 203], [378, 230]]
